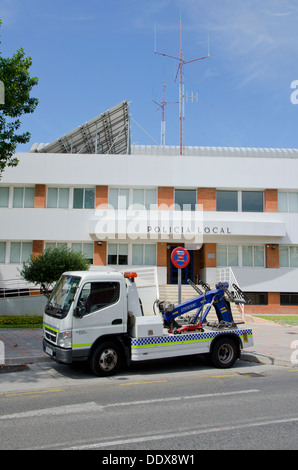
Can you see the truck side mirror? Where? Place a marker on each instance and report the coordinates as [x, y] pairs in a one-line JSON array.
[[80, 310]]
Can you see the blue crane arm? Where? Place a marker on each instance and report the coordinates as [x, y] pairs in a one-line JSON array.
[[211, 298]]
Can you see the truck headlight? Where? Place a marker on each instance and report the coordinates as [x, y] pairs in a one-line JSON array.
[[64, 339]]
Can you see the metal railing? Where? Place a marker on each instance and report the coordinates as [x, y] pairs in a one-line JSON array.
[[227, 275], [147, 275], [16, 288]]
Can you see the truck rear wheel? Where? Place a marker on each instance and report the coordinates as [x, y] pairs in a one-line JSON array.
[[105, 360], [224, 353]]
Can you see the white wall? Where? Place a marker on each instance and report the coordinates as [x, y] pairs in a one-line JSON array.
[[267, 280], [79, 225], [31, 305], [142, 170], [45, 224]]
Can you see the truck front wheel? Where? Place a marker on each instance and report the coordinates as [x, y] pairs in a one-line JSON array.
[[105, 360], [224, 353]]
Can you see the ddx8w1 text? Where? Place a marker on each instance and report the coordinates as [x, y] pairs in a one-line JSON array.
[[171, 459]]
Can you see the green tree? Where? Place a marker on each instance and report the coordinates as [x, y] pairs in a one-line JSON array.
[[45, 269], [14, 74]]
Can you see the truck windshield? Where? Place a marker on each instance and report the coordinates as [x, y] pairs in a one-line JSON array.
[[62, 296]]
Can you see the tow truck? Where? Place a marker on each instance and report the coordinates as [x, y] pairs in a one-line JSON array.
[[98, 317]]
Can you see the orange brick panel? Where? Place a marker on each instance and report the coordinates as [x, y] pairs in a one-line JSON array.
[[207, 197]]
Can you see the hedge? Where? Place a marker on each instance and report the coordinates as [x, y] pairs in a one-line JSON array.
[[21, 322]]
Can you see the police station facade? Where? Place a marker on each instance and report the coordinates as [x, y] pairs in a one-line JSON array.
[[231, 207]]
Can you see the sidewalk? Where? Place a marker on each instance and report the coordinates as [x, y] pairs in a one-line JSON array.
[[272, 344], [22, 346]]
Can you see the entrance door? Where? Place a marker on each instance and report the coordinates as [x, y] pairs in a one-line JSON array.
[[187, 273]]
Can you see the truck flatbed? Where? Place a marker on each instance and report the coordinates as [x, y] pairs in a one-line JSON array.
[[171, 345]]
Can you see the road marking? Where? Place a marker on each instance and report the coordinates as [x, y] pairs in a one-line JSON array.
[[179, 435], [31, 393], [94, 407], [144, 383], [59, 410], [184, 397]]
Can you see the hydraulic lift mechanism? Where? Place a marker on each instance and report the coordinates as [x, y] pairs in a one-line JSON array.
[[219, 298]]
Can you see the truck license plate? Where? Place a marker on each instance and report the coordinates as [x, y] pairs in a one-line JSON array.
[[49, 351]]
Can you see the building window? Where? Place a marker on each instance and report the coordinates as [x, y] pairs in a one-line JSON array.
[[122, 198], [227, 255], [55, 245], [58, 198], [258, 298], [2, 252], [249, 255], [287, 202], [248, 201], [85, 248], [143, 255], [227, 201], [252, 201], [4, 196], [289, 299], [20, 252], [117, 254], [83, 198], [145, 197], [23, 197], [185, 199], [119, 198], [253, 256], [282, 202], [288, 256]]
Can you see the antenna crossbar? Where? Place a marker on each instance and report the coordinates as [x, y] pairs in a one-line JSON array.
[[180, 72]]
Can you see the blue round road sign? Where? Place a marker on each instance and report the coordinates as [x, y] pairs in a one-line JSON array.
[[180, 257]]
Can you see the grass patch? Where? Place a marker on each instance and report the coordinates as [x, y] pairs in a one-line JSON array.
[[291, 320], [21, 322]]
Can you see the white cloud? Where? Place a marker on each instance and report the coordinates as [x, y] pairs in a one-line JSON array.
[[259, 36]]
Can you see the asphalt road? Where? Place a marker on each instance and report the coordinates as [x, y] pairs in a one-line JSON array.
[[168, 408]]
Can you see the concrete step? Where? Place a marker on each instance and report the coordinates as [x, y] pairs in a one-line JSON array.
[[169, 292]]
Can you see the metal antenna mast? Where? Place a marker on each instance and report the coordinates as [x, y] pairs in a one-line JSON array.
[[162, 106], [180, 71]]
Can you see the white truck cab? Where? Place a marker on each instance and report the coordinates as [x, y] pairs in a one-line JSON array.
[[98, 316]]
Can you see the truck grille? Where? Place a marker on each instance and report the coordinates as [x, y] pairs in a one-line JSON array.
[[50, 335]]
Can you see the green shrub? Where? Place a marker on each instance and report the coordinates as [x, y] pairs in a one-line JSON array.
[[45, 270], [21, 322]]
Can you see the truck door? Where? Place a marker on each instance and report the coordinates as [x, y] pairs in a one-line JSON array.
[[102, 310]]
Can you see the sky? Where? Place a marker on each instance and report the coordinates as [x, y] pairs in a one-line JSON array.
[[90, 55]]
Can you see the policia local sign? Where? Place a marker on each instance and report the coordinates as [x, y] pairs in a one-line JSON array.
[[181, 225]]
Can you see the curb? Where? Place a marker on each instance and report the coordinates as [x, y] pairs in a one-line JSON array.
[[245, 356], [268, 360], [17, 361]]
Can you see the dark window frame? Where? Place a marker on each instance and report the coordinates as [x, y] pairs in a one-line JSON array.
[[222, 201], [99, 296]]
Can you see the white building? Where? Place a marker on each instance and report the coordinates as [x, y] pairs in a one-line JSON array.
[[127, 206]]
